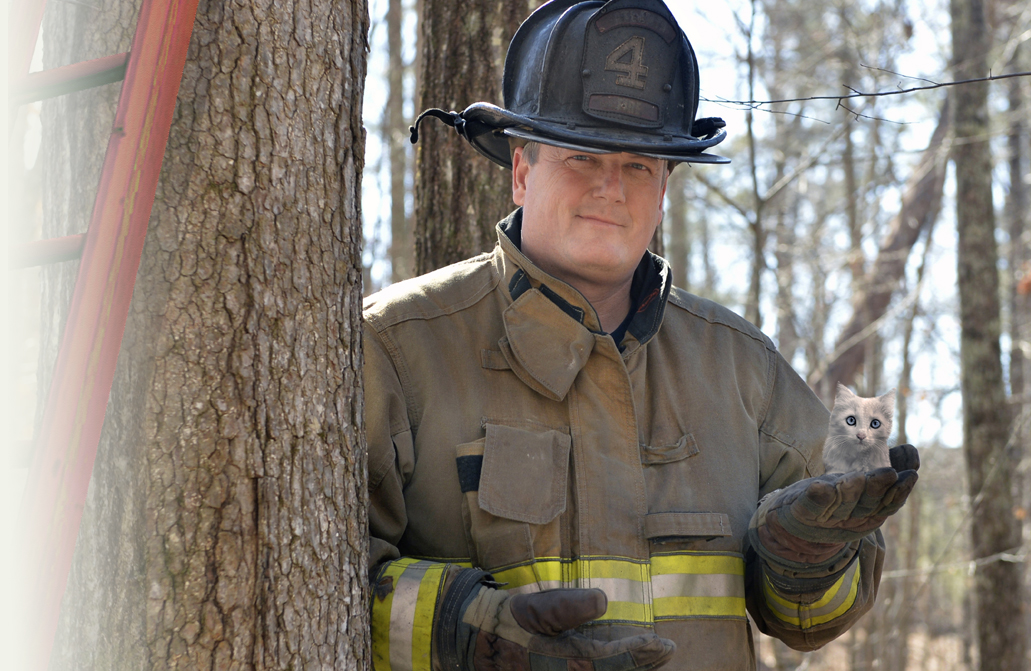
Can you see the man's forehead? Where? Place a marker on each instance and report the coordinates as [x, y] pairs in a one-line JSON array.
[[566, 150]]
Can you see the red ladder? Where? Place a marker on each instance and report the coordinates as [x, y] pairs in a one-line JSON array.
[[73, 417]]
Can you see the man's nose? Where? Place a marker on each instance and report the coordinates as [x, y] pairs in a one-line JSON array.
[[611, 184]]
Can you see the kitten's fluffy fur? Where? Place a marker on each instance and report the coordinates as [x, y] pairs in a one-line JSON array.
[[862, 444]]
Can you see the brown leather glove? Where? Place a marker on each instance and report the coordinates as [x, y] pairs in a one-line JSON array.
[[493, 629], [810, 522]]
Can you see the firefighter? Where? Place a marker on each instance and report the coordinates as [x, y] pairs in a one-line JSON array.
[[573, 464]]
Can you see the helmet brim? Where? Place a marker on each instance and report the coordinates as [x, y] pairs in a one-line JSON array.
[[488, 128]]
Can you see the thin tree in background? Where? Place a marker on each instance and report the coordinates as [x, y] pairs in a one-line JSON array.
[[1018, 257], [998, 585], [460, 195], [675, 223], [755, 222], [395, 133], [225, 523]]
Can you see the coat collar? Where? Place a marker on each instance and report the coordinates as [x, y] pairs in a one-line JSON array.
[[551, 329]]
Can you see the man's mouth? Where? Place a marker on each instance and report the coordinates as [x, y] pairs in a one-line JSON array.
[[593, 218]]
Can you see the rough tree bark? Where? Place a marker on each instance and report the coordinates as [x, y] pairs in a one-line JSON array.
[[460, 195], [921, 203], [998, 585], [225, 524]]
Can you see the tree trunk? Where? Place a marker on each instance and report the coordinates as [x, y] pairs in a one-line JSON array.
[[1019, 259], [395, 132], [909, 544], [1001, 634], [753, 299], [459, 194], [676, 223], [787, 335], [225, 523]]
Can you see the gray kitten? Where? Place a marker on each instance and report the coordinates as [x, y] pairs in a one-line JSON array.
[[857, 439]]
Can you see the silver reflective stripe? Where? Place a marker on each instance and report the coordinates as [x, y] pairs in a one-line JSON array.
[[783, 612], [539, 587], [617, 589], [402, 615], [698, 584], [836, 602]]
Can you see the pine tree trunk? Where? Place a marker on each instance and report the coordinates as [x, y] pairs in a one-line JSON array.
[[459, 194], [225, 524], [999, 607]]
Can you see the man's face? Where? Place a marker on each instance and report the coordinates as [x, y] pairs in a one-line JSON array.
[[588, 218]]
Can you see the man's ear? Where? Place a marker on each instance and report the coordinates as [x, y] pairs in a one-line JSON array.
[[520, 170]]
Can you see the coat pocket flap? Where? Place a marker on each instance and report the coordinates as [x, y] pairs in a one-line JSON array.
[[672, 525], [524, 474], [665, 454]]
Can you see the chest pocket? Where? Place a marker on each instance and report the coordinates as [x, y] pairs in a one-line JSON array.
[[514, 482]]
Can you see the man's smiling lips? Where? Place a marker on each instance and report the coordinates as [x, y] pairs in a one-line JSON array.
[[594, 219]]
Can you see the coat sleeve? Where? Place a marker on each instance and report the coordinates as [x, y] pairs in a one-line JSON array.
[[805, 609], [405, 591]]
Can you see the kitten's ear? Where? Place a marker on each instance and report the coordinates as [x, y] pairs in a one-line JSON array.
[[844, 391], [888, 401]]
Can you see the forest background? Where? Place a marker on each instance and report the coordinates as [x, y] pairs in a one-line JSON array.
[[837, 229]]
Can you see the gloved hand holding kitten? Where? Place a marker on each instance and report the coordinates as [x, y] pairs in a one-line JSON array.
[[809, 524]]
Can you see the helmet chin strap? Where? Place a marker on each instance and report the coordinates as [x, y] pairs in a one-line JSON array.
[[453, 119]]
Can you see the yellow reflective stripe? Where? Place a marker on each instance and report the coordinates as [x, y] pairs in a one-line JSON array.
[[835, 602], [553, 569], [625, 611], [698, 563], [402, 621], [670, 586], [675, 607]]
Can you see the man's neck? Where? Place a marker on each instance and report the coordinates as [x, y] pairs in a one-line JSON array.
[[612, 305]]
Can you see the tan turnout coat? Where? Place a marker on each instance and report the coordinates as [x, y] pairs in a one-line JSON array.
[[511, 434]]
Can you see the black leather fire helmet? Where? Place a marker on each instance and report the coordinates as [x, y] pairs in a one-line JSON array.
[[599, 77]]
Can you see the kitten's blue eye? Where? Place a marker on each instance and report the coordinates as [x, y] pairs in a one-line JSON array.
[[876, 423], [851, 420]]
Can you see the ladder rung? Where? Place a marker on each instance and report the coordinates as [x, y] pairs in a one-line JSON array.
[[42, 252], [69, 79]]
